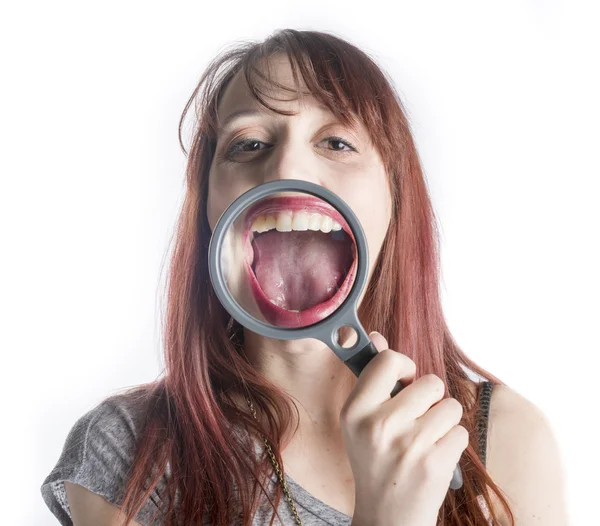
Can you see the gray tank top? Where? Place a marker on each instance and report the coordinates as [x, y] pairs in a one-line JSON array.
[[99, 449]]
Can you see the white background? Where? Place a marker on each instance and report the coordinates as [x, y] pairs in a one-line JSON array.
[[503, 102]]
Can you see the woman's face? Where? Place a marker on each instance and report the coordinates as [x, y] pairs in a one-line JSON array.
[[309, 145]]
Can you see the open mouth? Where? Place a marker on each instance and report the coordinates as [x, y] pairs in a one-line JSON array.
[[300, 259]]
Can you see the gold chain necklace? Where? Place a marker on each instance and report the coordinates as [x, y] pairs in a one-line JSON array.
[[280, 476]]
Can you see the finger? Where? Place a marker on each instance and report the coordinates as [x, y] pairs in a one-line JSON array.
[[378, 340], [416, 399], [378, 378], [438, 420], [381, 344], [451, 446]]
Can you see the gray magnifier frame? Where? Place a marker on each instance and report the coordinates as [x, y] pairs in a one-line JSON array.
[[326, 330]]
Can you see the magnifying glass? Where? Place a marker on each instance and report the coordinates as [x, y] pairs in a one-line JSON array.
[[288, 259]]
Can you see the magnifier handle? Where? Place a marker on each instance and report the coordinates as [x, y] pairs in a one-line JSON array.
[[359, 361]]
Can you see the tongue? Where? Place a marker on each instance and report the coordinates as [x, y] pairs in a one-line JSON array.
[[300, 269]]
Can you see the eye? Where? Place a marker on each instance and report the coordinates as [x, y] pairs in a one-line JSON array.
[[253, 145], [339, 140], [240, 146]]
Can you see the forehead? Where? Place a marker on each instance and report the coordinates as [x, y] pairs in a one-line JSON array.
[[237, 96], [277, 69]]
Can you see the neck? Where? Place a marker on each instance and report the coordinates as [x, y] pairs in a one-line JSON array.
[[309, 372]]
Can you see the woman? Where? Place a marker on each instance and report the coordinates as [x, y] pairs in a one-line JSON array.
[[208, 440]]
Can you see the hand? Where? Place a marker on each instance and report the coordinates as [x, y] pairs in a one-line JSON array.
[[402, 450]]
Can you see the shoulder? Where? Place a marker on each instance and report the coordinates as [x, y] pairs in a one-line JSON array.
[[96, 456], [90, 509], [523, 459], [107, 434]]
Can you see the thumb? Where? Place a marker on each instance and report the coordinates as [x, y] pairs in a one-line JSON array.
[[378, 340]]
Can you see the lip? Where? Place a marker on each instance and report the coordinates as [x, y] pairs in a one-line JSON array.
[[277, 315]]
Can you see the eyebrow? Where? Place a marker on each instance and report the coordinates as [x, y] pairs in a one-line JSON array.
[[250, 112], [234, 115]]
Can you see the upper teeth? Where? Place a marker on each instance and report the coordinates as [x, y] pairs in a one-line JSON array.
[[286, 221]]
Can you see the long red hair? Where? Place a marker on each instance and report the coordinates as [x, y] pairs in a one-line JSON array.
[[189, 411]]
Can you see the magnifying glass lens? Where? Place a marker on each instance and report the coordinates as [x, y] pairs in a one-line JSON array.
[[289, 259]]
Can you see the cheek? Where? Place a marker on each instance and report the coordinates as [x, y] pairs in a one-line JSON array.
[[222, 192], [373, 208], [375, 229], [213, 206], [219, 198]]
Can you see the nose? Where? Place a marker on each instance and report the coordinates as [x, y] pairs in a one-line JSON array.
[[291, 159]]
